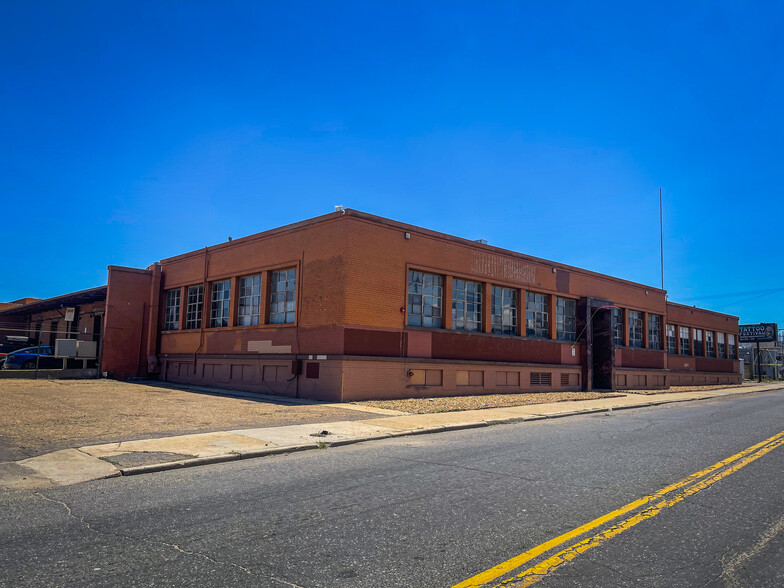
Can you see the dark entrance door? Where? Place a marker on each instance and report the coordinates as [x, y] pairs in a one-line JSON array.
[[597, 344], [602, 350]]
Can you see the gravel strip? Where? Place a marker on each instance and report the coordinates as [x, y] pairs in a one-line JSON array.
[[454, 403], [674, 389]]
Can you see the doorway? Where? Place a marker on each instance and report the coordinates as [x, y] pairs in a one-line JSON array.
[[602, 348]]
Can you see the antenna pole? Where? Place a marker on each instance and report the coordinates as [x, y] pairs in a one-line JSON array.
[[661, 237]]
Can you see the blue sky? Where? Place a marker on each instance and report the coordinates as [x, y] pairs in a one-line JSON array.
[[137, 131]]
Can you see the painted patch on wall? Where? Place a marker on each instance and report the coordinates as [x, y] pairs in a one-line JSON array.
[[268, 347]]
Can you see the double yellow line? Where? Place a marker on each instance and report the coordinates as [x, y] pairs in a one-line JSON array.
[[688, 486]]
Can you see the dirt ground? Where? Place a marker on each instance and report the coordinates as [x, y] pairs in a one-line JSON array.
[[675, 389], [38, 416], [452, 403]]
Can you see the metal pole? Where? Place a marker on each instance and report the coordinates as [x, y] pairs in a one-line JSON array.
[[759, 364], [37, 359], [661, 237]]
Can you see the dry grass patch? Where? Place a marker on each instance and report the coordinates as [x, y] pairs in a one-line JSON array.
[[43, 415], [453, 403]]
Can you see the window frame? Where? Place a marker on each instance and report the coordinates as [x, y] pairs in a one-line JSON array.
[[194, 316], [245, 301], [710, 343], [467, 294], [636, 329], [534, 315], [220, 304], [685, 341], [618, 326], [503, 315], [699, 337], [171, 320], [672, 349], [562, 321], [289, 296], [732, 349], [655, 331], [721, 344], [429, 288]]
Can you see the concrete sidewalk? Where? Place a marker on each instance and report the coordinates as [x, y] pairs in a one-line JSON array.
[[91, 462]]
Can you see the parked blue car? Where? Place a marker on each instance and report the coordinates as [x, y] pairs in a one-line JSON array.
[[24, 359]]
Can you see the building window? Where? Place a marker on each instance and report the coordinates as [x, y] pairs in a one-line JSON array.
[[654, 331], [617, 326], [171, 317], [249, 297], [219, 303], [537, 317], [720, 340], [672, 344], [684, 336], [504, 311], [698, 342], [193, 308], [635, 328], [731, 344], [709, 348], [283, 287], [565, 319], [425, 292], [466, 305]]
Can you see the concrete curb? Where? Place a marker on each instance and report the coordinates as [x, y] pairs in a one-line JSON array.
[[213, 459]]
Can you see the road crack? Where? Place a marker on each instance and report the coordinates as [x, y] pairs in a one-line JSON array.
[[81, 521]]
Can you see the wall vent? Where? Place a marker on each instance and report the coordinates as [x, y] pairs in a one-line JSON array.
[[541, 378]]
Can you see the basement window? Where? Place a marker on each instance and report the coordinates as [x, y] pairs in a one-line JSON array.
[[219, 303], [171, 317], [283, 288]]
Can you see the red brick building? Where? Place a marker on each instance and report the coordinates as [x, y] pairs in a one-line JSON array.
[[350, 305]]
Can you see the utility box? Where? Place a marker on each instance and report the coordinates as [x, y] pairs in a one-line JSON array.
[[87, 349], [65, 347], [74, 348]]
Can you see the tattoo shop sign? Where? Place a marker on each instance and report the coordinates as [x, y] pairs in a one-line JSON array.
[[760, 333]]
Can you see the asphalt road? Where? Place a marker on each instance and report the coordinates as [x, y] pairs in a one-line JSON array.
[[427, 511]]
